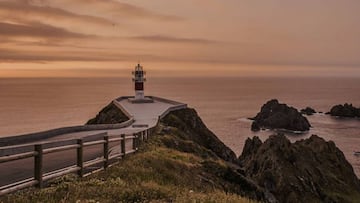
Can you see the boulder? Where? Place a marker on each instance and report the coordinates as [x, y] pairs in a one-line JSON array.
[[274, 115], [346, 110], [308, 111], [310, 170]]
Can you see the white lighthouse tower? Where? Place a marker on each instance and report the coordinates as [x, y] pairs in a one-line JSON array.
[[139, 79]]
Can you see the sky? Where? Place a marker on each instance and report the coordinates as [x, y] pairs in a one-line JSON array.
[[107, 38]]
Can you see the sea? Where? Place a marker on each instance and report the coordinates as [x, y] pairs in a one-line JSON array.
[[224, 103]]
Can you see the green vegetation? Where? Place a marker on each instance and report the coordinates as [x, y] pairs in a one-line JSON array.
[[157, 173]]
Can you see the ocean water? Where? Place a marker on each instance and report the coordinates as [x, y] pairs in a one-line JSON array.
[[224, 104]]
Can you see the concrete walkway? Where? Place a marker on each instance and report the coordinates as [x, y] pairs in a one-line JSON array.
[[144, 114]]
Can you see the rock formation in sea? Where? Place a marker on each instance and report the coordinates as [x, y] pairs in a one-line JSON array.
[[346, 110], [274, 115], [310, 170], [308, 111]]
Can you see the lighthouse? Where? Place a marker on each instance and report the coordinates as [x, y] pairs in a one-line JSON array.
[[139, 79]]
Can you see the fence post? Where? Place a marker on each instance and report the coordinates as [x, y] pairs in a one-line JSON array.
[[106, 151], [80, 157], [38, 162], [123, 150], [141, 138], [135, 140]]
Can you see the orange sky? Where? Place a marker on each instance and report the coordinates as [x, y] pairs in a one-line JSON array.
[[101, 38]]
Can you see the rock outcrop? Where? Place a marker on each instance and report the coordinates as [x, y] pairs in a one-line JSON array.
[[110, 114], [346, 110], [184, 131], [310, 170], [274, 115], [308, 111], [188, 121]]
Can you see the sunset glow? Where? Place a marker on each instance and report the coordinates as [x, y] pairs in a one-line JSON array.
[[106, 38]]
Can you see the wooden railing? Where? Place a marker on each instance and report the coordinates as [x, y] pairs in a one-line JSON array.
[[82, 168]]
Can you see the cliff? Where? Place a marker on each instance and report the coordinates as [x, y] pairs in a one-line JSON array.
[[193, 129], [310, 170], [184, 131]]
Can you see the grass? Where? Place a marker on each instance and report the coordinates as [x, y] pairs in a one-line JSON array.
[[155, 174]]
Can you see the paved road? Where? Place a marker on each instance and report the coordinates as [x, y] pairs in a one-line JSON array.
[[145, 114]]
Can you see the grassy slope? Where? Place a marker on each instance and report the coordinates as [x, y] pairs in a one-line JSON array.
[[155, 174]]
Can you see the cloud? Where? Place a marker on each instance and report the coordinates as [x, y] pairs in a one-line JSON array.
[[96, 11], [27, 11], [13, 55], [170, 39], [46, 56], [43, 56], [111, 8], [36, 30]]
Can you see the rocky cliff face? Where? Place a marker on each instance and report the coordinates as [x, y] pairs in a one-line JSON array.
[[188, 121], [110, 114], [310, 170], [184, 131], [346, 110], [274, 115]]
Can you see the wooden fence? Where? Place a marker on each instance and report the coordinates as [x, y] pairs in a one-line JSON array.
[[82, 168]]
